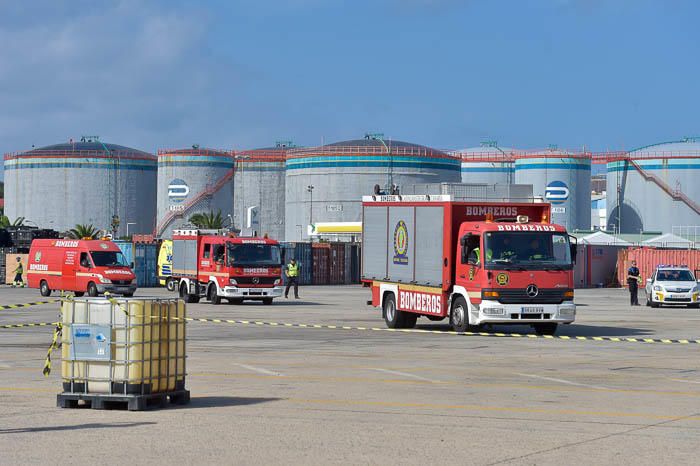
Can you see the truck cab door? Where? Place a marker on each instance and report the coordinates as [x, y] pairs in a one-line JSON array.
[[470, 269], [206, 261]]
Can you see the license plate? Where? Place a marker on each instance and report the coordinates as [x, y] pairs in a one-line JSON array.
[[678, 296], [532, 310]]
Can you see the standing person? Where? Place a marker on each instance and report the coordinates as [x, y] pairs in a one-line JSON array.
[[19, 271], [292, 273], [633, 283]]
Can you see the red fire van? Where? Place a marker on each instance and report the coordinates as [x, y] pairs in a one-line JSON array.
[[80, 266]]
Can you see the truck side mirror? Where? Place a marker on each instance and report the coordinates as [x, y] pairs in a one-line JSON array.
[[132, 265], [464, 240], [573, 243]]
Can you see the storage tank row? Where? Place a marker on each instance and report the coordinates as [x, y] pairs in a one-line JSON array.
[[87, 182], [560, 177], [655, 188], [327, 183]]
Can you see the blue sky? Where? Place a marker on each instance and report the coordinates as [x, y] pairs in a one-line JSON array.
[[446, 73]]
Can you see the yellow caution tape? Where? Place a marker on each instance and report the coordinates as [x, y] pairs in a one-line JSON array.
[[114, 302], [54, 345], [20, 306]]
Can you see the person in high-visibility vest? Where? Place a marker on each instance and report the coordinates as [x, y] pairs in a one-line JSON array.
[[292, 273], [19, 271]]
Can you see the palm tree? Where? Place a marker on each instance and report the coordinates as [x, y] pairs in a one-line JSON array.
[[208, 220], [5, 222], [83, 231]]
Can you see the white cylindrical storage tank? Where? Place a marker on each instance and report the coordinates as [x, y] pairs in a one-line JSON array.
[[326, 184], [562, 179], [86, 182], [260, 184], [656, 188], [193, 181], [488, 163]]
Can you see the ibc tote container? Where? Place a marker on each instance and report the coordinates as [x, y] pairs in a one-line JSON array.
[[144, 350], [321, 263]]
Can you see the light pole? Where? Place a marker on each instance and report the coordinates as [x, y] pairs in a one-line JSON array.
[[127, 227], [310, 189], [390, 176]]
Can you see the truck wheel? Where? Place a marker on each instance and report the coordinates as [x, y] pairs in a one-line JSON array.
[[267, 301], [550, 328], [92, 290], [170, 284], [459, 316], [409, 319], [44, 288], [188, 298], [392, 316], [213, 296]]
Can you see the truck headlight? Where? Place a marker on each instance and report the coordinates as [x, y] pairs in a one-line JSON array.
[[233, 281], [695, 289], [103, 279], [278, 282], [658, 288], [493, 311]]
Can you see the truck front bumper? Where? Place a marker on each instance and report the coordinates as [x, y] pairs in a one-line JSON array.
[[493, 312], [116, 289], [252, 293], [670, 297]]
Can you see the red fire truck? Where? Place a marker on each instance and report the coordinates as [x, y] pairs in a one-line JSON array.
[[475, 263], [92, 266], [217, 265]]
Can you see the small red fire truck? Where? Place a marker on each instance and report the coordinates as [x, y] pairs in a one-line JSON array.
[[92, 266], [216, 265], [475, 263]]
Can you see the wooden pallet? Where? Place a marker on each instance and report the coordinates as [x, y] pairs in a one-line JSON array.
[[130, 402]]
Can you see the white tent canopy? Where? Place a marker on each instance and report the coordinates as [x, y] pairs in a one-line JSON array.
[[600, 238], [669, 240]]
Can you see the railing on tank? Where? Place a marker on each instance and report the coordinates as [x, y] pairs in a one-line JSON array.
[[95, 154], [259, 155], [395, 151], [194, 152]]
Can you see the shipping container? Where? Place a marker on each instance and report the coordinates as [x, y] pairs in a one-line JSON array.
[[650, 258], [144, 257], [321, 263], [301, 252], [337, 264], [596, 266]]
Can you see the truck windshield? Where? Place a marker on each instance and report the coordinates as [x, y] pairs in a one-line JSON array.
[[253, 254], [108, 259], [533, 250]]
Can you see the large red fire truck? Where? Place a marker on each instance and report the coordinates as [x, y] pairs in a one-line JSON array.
[[475, 263], [216, 265]]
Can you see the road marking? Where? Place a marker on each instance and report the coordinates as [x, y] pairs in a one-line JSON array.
[[259, 370], [686, 381], [567, 382], [512, 409], [404, 374]]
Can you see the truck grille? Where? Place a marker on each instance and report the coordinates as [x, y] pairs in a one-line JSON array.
[[261, 280], [519, 296], [121, 282]]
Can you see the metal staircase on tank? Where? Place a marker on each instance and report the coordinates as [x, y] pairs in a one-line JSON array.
[[676, 194], [207, 193]]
